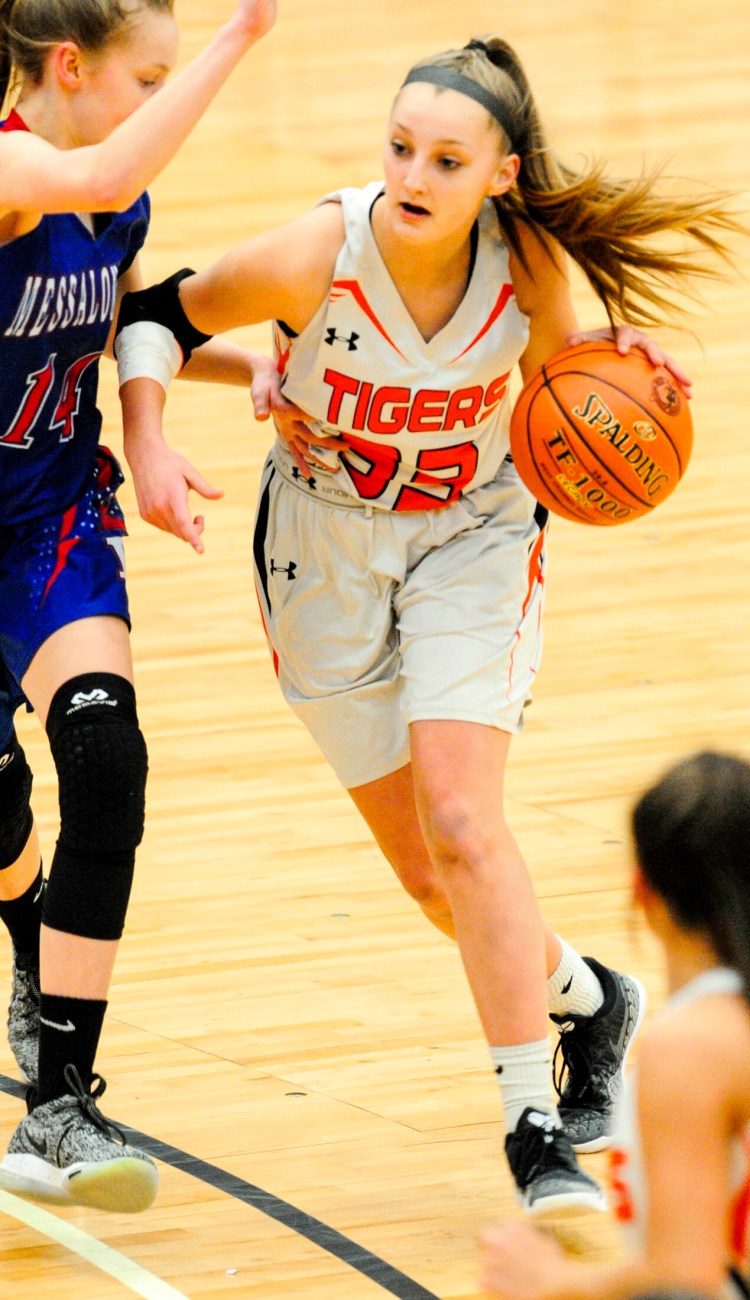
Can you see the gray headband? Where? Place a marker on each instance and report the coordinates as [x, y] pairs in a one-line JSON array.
[[438, 76]]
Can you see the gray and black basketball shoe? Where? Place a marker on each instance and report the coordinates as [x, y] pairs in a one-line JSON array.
[[548, 1178], [23, 1014], [592, 1051], [66, 1152]]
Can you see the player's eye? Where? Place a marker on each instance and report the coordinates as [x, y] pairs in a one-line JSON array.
[[399, 148], [448, 164]]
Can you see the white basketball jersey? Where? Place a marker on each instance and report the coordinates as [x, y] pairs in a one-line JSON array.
[[629, 1186], [423, 422]]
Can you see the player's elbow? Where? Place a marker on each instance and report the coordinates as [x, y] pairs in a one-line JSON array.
[[109, 185]]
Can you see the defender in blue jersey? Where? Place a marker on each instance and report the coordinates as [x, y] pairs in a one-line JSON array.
[[86, 136]]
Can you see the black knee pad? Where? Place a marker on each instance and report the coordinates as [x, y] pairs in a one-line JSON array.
[[15, 809], [101, 762]]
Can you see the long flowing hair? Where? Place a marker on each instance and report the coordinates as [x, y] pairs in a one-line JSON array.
[[607, 225]]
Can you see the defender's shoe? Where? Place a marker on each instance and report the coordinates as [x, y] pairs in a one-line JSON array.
[[23, 1014], [548, 1179], [66, 1152], [594, 1050]]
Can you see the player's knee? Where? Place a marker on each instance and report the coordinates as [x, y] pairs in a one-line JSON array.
[[102, 764], [15, 807], [426, 890], [456, 837]]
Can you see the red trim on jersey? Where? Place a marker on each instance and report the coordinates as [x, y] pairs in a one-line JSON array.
[[741, 1215], [63, 548], [536, 577], [506, 293], [14, 122], [274, 655], [355, 289]]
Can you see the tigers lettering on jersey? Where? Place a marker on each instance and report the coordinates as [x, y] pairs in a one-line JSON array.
[[65, 301], [420, 421], [389, 409]]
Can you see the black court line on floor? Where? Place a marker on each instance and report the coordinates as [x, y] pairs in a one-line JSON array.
[[328, 1239]]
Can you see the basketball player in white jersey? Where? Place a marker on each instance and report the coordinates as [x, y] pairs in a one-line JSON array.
[[681, 1161], [400, 560]]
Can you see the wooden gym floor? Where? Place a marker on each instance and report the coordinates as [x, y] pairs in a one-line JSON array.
[[297, 1043]]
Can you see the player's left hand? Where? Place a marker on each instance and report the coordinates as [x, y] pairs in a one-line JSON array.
[[627, 337], [520, 1263]]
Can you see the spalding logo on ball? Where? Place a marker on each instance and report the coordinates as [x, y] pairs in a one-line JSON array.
[[601, 438]]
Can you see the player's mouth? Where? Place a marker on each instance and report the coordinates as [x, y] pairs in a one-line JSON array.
[[413, 211]]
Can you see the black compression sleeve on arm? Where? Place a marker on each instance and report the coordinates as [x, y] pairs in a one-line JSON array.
[[161, 304]]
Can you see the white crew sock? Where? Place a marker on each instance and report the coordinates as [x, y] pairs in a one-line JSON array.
[[573, 988], [524, 1073]]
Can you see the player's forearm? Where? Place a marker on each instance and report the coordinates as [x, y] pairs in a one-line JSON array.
[[142, 402], [222, 362]]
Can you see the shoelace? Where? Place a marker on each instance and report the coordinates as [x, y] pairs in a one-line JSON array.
[[572, 1069], [538, 1148], [31, 972], [87, 1099]]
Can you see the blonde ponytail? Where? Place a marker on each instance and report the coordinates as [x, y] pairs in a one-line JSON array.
[[608, 226]]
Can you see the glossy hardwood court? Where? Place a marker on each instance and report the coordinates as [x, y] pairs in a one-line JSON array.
[[297, 1042]]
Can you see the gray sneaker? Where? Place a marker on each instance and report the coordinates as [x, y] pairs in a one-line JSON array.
[[546, 1172], [23, 1014], [594, 1050], [66, 1152]]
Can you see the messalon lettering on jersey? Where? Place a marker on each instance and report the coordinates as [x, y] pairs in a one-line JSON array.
[[358, 405], [64, 301]]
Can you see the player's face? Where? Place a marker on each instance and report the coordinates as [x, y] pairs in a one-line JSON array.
[[443, 158], [120, 78]]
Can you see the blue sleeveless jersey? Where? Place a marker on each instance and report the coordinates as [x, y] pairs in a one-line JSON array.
[[57, 298]]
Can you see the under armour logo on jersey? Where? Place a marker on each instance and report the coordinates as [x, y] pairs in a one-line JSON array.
[[332, 337], [289, 569], [309, 482]]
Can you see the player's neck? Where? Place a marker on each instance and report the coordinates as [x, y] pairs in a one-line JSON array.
[[46, 115], [688, 955]]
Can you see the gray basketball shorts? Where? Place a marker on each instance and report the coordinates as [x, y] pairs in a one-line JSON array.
[[377, 619]]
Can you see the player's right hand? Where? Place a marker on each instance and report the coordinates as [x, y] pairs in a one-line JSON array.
[[256, 16], [162, 483]]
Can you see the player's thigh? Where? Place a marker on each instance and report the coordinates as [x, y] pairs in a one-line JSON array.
[[88, 645]]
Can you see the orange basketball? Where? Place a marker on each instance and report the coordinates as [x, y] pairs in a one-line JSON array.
[[601, 438]]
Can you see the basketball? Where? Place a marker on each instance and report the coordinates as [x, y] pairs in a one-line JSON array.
[[601, 438]]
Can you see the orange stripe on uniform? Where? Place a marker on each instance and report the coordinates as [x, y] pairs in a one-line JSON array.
[[740, 1215], [536, 577], [274, 655], [506, 293], [355, 289]]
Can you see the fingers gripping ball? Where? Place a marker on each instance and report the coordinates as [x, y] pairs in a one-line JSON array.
[[601, 438]]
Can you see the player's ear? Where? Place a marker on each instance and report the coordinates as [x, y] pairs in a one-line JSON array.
[[643, 894], [66, 61], [505, 175]]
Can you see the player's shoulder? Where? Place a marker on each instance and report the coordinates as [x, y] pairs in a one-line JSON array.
[[538, 269], [317, 233], [698, 1054]]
